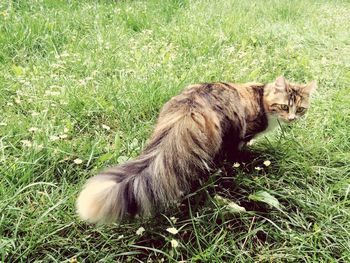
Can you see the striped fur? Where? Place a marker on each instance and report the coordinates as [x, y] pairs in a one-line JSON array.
[[197, 129]]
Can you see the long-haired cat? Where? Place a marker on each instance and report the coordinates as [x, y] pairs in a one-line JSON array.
[[195, 130]]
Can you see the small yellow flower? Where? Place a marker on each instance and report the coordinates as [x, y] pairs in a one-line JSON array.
[[258, 168], [172, 230], [4, 14], [236, 165], [78, 161], [174, 243], [267, 163], [140, 231]]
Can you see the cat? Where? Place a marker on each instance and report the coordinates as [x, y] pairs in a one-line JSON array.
[[195, 130]]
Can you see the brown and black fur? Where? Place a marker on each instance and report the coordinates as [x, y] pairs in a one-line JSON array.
[[196, 130]]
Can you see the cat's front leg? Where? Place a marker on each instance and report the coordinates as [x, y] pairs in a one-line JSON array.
[[242, 145]]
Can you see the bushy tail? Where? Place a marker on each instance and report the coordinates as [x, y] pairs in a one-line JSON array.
[[182, 147]]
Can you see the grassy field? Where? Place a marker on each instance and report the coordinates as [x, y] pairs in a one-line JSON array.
[[81, 84]]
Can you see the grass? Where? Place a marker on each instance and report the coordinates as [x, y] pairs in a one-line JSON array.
[[85, 80]]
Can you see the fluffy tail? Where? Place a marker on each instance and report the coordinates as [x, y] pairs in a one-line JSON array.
[[182, 146]]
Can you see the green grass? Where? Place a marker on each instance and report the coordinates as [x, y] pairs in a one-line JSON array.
[[69, 67]]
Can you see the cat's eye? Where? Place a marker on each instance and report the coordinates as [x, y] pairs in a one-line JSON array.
[[284, 107], [300, 109]]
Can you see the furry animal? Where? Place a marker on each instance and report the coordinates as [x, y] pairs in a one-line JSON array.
[[206, 123]]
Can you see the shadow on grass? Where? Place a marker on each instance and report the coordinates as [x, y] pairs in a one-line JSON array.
[[199, 213]]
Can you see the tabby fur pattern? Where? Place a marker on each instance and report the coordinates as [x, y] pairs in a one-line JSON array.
[[196, 130]]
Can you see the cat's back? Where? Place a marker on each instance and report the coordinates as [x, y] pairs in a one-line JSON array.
[[215, 95], [220, 88]]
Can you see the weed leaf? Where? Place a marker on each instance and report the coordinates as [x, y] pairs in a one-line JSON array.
[[265, 197]]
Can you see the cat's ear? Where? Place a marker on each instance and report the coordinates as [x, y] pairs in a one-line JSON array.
[[280, 83], [310, 87]]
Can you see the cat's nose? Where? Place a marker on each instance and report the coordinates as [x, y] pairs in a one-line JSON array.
[[291, 117]]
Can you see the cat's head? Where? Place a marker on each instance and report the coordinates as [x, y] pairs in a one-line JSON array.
[[287, 101]]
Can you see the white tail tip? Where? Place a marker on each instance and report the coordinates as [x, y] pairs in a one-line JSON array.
[[92, 202]]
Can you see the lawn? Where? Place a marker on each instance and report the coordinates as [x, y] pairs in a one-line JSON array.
[[81, 85]]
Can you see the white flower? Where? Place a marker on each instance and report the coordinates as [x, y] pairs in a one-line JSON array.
[[52, 93], [39, 146], [120, 237], [54, 138], [174, 243], [65, 54], [3, 124], [33, 129], [140, 231], [258, 168], [173, 219], [63, 136], [172, 230], [65, 130], [106, 127], [78, 161], [26, 143], [267, 163], [82, 82], [34, 113], [236, 165]]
